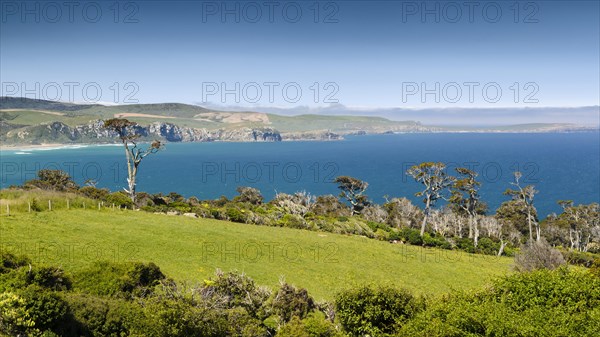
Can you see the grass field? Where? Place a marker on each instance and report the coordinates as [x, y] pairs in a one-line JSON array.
[[189, 249]]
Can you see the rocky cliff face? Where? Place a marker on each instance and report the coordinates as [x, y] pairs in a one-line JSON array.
[[96, 132]]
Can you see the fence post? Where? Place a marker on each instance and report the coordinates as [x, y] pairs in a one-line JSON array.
[[29, 206], [49, 204], [84, 205], [98, 206], [7, 209], [68, 205]]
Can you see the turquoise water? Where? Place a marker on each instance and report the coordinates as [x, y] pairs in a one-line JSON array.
[[562, 166]]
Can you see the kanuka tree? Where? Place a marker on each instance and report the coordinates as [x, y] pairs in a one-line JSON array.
[[353, 189], [134, 154], [582, 222], [465, 200], [524, 196], [436, 181]]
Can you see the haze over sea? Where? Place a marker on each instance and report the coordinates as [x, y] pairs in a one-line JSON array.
[[560, 165]]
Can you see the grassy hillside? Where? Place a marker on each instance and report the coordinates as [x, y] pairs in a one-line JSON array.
[[26, 112], [191, 249]]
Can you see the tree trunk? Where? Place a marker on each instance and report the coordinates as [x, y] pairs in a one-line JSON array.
[[502, 245], [132, 184], [529, 223], [426, 214], [470, 227], [475, 232]]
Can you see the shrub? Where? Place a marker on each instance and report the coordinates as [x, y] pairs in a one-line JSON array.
[[236, 215], [177, 318], [48, 277], [412, 236], [15, 318], [56, 180], [465, 244], [314, 325], [579, 258], [47, 309], [120, 199], [375, 310], [488, 246], [119, 279], [329, 205], [230, 290], [249, 194], [241, 323], [94, 193], [541, 303], [290, 302], [95, 316], [293, 221], [538, 255], [435, 241], [10, 261]]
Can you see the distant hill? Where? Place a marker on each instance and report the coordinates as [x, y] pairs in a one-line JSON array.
[[32, 121]]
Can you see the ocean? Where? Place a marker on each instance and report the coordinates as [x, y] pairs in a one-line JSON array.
[[560, 165]]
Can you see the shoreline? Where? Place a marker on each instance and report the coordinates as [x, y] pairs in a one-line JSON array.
[[55, 146], [49, 146]]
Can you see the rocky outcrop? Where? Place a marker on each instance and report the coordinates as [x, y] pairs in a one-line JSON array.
[[96, 132], [311, 135]]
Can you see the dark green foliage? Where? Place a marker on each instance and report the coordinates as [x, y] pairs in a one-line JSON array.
[[465, 244], [375, 311], [574, 291], [230, 290], [514, 212], [290, 302], [314, 325], [56, 180], [595, 268], [542, 303], [329, 205], [112, 299], [49, 278], [100, 316], [10, 261], [235, 214], [176, 318], [436, 241], [249, 194], [47, 309], [293, 221], [352, 190], [119, 199], [488, 246], [94, 192], [241, 323], [119, 279], [579, 258], [411, 236]]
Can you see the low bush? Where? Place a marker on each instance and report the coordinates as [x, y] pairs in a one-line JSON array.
[[119, 279], [375, 311]]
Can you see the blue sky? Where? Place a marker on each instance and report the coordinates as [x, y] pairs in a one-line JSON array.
[[375, 54]]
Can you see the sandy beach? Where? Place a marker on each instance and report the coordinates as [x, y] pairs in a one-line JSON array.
[[46, 146]]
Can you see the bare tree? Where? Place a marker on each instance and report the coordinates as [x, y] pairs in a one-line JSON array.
[[133, 154], [525, 195], [538, 255], [436, 181], [581, 220]]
